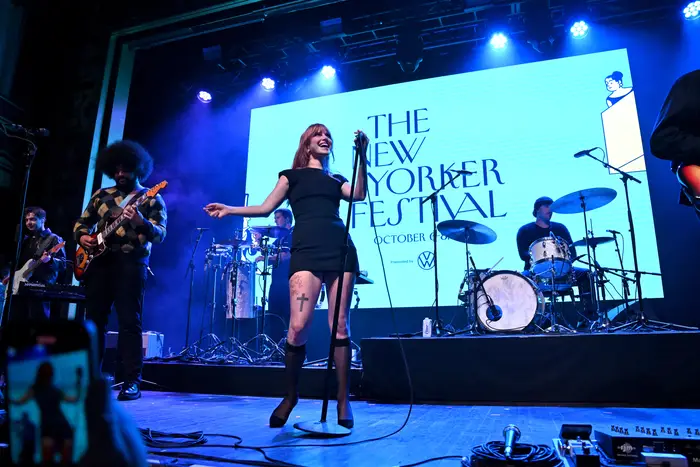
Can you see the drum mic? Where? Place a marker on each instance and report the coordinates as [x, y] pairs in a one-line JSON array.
[[462, 172], [494, 313], [614, 232], [512, 434], [584, 153]]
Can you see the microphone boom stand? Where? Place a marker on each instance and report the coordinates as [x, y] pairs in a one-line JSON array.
[[190, 272], [324, 428], [640, 322], [439, 329], [29, 155]]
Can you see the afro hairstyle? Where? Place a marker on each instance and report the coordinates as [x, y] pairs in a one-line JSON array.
[[129, 154]]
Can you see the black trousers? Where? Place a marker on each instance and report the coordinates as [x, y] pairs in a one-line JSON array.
[[118, 281]]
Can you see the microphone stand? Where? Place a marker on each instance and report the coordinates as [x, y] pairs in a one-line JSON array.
[[625, 284], [29, 155], [640, 322], [324, 428], [439, 328], [191, 271]]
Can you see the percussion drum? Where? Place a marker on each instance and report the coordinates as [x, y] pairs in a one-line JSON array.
[[549, 253], [515, 297], [241, 303]]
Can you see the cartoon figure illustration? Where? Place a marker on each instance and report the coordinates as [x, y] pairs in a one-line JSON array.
[[613, 83]]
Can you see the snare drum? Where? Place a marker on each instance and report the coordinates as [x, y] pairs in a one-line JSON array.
[[241, 303], [550, 255], [515, 298]]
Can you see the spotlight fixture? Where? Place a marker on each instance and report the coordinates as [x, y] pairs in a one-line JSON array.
[[692, 11], [579, 29], [204, 97], [268, 84], [328, 72], [498, 40], [409, 49]]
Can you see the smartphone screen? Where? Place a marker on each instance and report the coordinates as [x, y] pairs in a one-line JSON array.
[[47, 381]]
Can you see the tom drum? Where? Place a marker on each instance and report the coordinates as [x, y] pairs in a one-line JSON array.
[[240, 303]]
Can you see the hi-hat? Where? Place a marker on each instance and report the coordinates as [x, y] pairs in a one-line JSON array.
[[270, 231], [592, 241], [593, 198], [467, 232]]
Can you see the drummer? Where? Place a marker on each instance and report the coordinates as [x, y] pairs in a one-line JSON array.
[[544, 227], [278, 297]]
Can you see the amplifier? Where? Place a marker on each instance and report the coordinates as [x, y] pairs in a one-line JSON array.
[[625, 446], [152, 343]]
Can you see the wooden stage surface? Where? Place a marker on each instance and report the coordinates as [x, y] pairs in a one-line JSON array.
[[432, 431]]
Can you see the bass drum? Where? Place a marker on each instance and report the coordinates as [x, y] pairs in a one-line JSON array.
[[516, 301], [240, 304]]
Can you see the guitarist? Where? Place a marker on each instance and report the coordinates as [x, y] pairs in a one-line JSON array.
[[119, 276], [676, 135], [35, 246]]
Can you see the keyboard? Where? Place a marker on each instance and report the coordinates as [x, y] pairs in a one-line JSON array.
[[48, 292]]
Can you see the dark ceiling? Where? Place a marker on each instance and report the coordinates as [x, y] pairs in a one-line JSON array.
[[286, 38]]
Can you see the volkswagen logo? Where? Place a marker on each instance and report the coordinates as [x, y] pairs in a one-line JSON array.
[[426, 260]]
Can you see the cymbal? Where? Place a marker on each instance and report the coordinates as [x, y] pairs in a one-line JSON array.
[[235, 242], [467, 232], [270, 231], [593, 197], [592, 241]]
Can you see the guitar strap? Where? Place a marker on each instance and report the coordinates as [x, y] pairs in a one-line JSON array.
[[131, 198]]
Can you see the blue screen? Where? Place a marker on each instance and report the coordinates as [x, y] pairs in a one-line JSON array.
[[517, 127]]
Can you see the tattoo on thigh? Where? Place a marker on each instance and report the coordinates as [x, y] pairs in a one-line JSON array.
[[302, 299]]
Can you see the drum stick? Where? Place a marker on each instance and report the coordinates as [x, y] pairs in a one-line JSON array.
[[495, 265]]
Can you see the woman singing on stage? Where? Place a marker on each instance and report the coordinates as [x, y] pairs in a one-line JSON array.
[[317, 249]]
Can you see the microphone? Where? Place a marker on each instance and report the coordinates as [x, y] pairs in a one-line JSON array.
[[584, 153], [512, 435], [614, 232], [462, 172], [29, 131], [494, 313]]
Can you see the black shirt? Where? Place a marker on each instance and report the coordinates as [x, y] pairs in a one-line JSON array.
[[33, 247], [676, 135], [281, 268], [528, 233]]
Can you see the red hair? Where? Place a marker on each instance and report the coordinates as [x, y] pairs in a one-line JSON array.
[[303, 155]]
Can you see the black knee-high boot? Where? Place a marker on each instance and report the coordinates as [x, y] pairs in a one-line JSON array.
[[341, 358], [293, 361]]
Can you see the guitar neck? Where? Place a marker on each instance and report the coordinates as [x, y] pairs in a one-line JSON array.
[[119, 221]]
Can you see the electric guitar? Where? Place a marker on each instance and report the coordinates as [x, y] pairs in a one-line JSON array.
[[85, 256], [25, 272], [689, 177]]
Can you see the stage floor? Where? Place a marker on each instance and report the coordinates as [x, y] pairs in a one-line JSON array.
[[432, 431]]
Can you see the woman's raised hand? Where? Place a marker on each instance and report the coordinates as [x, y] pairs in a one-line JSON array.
[[217, 210]]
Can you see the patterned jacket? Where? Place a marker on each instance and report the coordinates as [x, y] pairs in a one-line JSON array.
[[104, 207]]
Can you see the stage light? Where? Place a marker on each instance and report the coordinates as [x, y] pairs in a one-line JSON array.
[[579, 29], [692, 11], [268, 84], [498, 41], [328, 72], [204, 96]]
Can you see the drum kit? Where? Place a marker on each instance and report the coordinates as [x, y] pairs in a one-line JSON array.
[[510, 301], [239, 264]]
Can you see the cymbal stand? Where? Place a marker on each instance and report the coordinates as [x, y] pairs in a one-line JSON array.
[[266, 348], [602, 323], [472, 327], [625, 280], [439, 328], [217, 343]]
